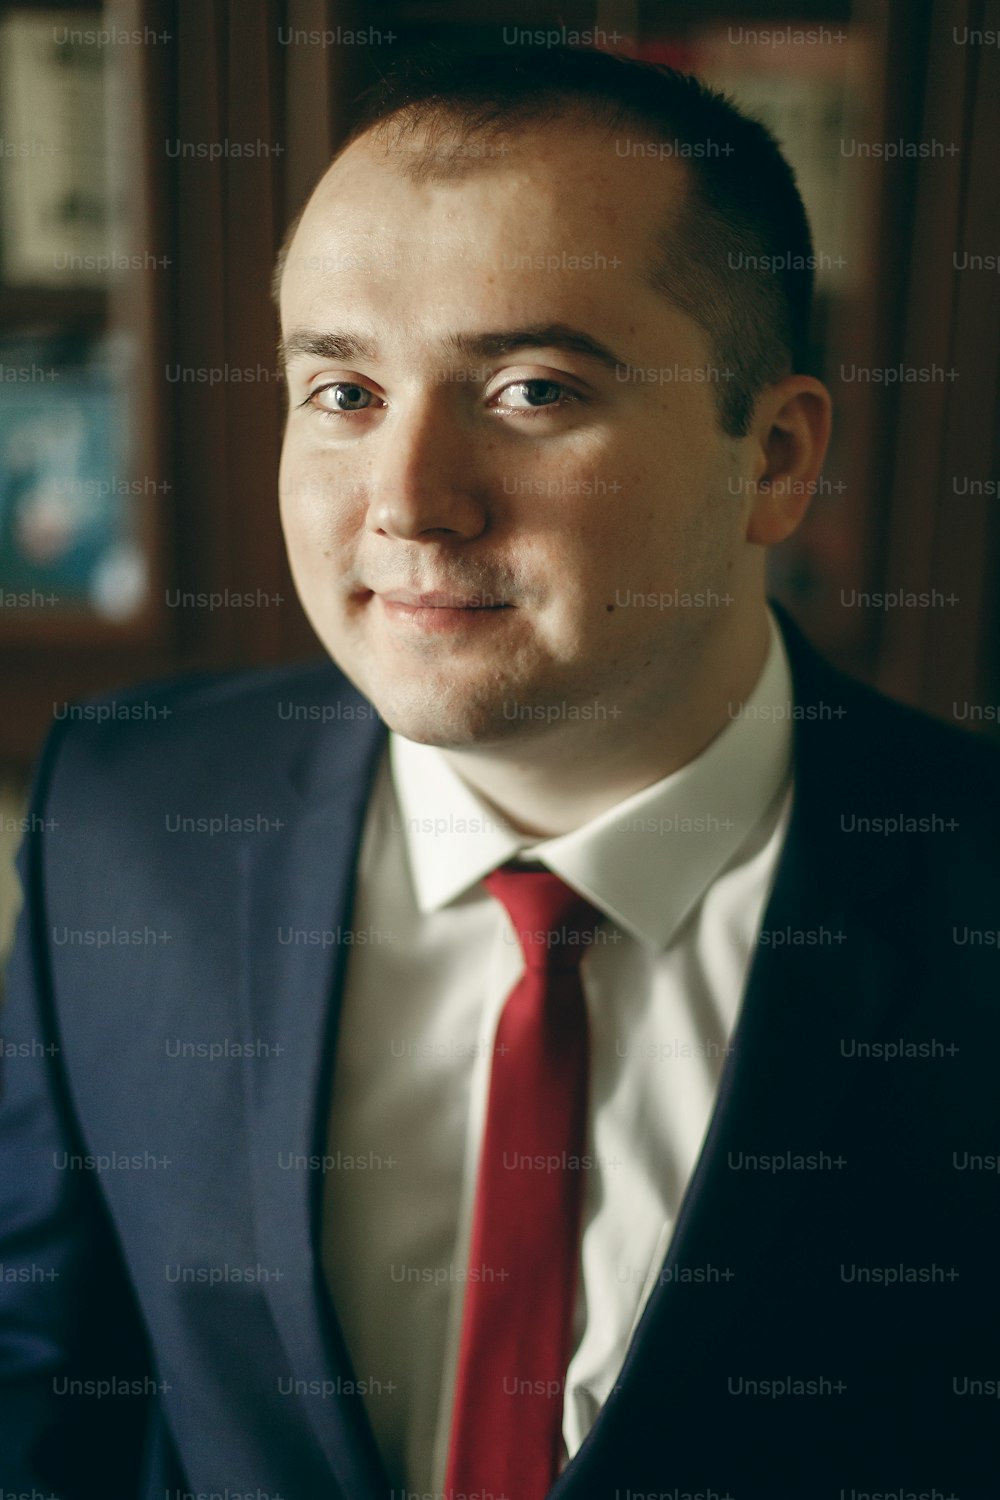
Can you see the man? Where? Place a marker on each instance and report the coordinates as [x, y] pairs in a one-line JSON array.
[[539, 1053]]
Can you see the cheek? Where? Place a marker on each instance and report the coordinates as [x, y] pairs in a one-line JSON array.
[[631, 517], [316, 511]]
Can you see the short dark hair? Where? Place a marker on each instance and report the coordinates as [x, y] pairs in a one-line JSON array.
[[738, 256]]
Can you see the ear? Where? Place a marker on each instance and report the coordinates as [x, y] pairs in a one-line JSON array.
[[790, 434]]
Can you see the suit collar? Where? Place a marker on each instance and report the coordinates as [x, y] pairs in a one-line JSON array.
[[841, 769]]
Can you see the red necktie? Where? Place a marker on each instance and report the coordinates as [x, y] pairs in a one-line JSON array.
[[521, 1289]]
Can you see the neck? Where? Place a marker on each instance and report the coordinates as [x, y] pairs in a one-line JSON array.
[[569, 775]]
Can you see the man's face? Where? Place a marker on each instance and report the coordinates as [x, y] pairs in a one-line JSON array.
[[425, 455]]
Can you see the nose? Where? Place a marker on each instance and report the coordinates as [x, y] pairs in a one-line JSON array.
[[422, 479]]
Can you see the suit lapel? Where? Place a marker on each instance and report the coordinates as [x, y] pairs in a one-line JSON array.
[[785, 1088], [830, 961], [298, 885]]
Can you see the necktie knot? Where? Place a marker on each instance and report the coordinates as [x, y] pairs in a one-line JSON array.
[[555, 924]]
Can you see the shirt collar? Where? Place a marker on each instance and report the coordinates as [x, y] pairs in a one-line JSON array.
[[644, 862]]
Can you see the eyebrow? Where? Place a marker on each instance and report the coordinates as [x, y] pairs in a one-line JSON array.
[[347, 347]]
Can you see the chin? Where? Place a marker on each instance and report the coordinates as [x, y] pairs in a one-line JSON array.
[[438, 718], [451, 732]]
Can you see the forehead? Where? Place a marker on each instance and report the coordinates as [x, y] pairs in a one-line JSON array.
[[567, 198]]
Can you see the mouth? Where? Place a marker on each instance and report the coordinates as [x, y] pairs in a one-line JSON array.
[[437, 612], [439, 600]]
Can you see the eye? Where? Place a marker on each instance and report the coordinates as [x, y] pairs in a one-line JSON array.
[[538, 395], [346, 396]]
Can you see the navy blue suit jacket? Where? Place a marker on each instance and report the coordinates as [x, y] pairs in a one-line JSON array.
[[848, 1184]]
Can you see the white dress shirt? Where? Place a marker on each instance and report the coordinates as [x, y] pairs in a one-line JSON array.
[[682, 870]]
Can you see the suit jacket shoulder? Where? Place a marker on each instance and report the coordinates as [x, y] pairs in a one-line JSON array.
[[210, 737]]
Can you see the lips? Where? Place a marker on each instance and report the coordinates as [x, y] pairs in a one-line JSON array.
[[439, 600]]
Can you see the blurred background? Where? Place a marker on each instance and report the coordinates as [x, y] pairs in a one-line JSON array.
[[152, 153]]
